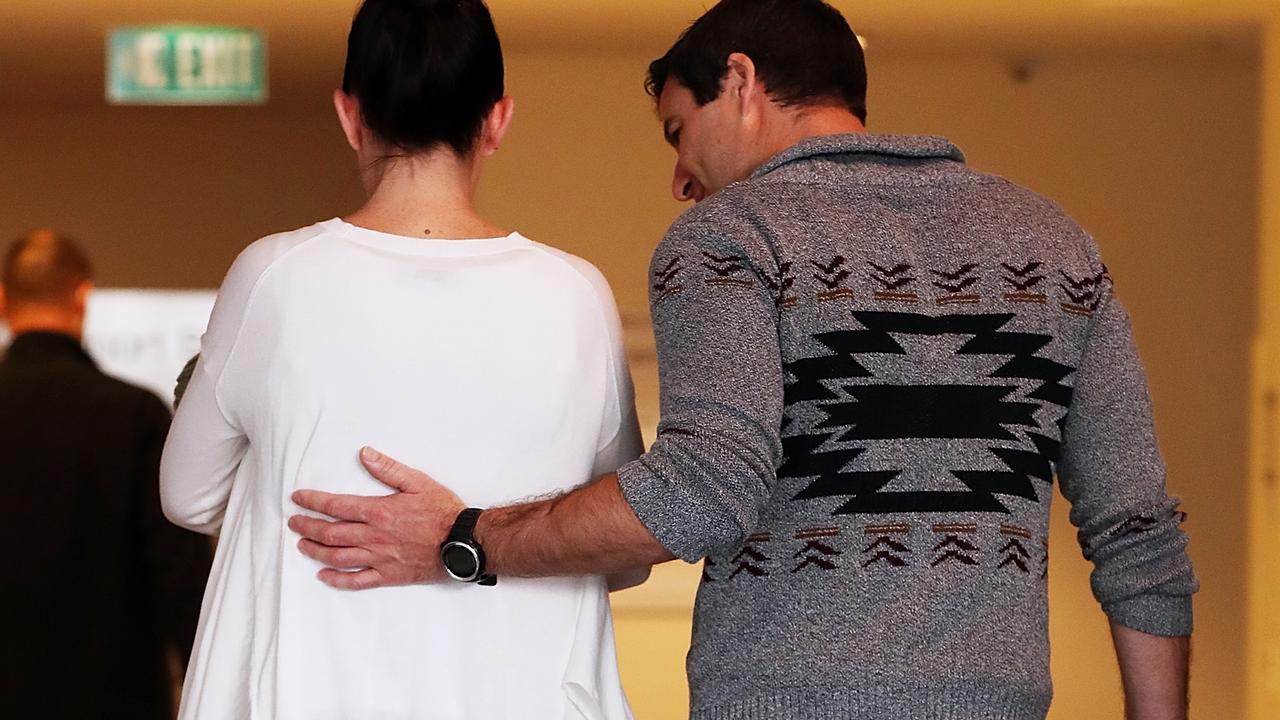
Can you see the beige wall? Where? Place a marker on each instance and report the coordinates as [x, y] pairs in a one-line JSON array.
[[1153, 153]]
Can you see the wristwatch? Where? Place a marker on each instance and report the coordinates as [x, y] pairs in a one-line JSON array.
[[461, 555]]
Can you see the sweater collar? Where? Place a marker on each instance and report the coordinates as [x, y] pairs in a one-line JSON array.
[[901, 146], [38, 345]]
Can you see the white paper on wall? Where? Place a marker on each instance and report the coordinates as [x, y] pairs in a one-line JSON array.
[[144, 337]]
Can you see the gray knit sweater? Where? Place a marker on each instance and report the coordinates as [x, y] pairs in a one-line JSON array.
[[874, 363]]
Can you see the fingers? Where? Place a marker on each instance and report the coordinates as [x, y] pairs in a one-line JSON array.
[[392, 473], [341, 558], [352, 508], [332, 534], [361, 580]]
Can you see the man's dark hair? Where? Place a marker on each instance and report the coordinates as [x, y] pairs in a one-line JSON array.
[[426, 72], [804, 52], [44, 268]]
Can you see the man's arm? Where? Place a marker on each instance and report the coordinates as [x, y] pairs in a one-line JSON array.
[[1154, 670], [700, 488], [1129, 527], [613, 539], [395, 540]]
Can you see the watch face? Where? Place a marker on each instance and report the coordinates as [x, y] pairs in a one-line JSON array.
[[460, 561]]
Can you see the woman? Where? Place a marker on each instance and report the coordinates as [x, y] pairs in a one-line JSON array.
[[417, 326]]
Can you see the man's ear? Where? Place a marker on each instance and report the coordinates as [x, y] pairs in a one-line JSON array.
[[348, 109], [83, 291], [741, 82], [496, 126]]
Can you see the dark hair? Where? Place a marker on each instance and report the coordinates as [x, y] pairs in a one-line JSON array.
[[804, 51], [45, 268], [426, 72]]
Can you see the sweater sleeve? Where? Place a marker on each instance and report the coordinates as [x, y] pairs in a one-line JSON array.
[[702, 485], [205, 447], [621, 441], [1112, 473]]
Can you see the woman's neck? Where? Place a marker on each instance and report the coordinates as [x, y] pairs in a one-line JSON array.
[[428, 196]]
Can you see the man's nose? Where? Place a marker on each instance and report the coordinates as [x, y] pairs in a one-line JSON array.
[[685, 187]]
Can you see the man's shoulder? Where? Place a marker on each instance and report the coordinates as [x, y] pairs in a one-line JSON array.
[[735, 216], [135, 395], [82, 385], [1014, 194], [108, 391], [726, 208]]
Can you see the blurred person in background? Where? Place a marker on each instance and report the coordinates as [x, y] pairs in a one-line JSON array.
[[415, 323], [874, 362], [102, 593]]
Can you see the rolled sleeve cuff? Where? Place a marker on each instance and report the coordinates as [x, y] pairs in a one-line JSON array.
[[663, 508], [1163, 615]]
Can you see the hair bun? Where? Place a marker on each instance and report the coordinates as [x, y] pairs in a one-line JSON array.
[[426, 72]]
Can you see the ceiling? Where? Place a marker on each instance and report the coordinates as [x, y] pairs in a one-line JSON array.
[[52, 52]]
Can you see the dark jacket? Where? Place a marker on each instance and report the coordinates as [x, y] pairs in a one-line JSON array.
[[100, 590]]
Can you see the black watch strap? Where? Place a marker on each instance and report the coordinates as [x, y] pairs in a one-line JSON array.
[[464, 528], [464, 533]]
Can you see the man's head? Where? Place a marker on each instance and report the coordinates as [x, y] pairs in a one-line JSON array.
[[750, 78], [45, 284]]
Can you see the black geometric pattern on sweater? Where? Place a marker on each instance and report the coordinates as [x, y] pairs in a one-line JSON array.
[[817, 560], [1136, 525], [956, 544], [831, 277], [665, 281], [894, 412], [1015, 555], [958, 281], [663, 278], [832, 274], [1024, 282], [1015, 552], [1024, 277], [751, 559], [818, 551], [780, 283], [1023, 285], [894, 278], [867, 414], [886, 548], [816, 546], [729, 270], [1083, 295], [897, 283], [1084, 286], [723, 266], [954, 548], [1133, 525]]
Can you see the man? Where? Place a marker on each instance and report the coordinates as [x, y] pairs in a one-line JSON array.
[[874, 361], [106, 593]]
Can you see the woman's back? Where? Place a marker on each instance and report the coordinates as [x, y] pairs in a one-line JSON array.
[[496, 363]]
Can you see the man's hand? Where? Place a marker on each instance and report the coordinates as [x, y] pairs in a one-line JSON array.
[[395, 540], [379, 541]]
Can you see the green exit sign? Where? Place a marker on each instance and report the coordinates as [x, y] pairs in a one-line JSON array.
[[183, 65]]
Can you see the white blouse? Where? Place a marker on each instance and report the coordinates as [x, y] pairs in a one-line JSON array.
[[494, 365]]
